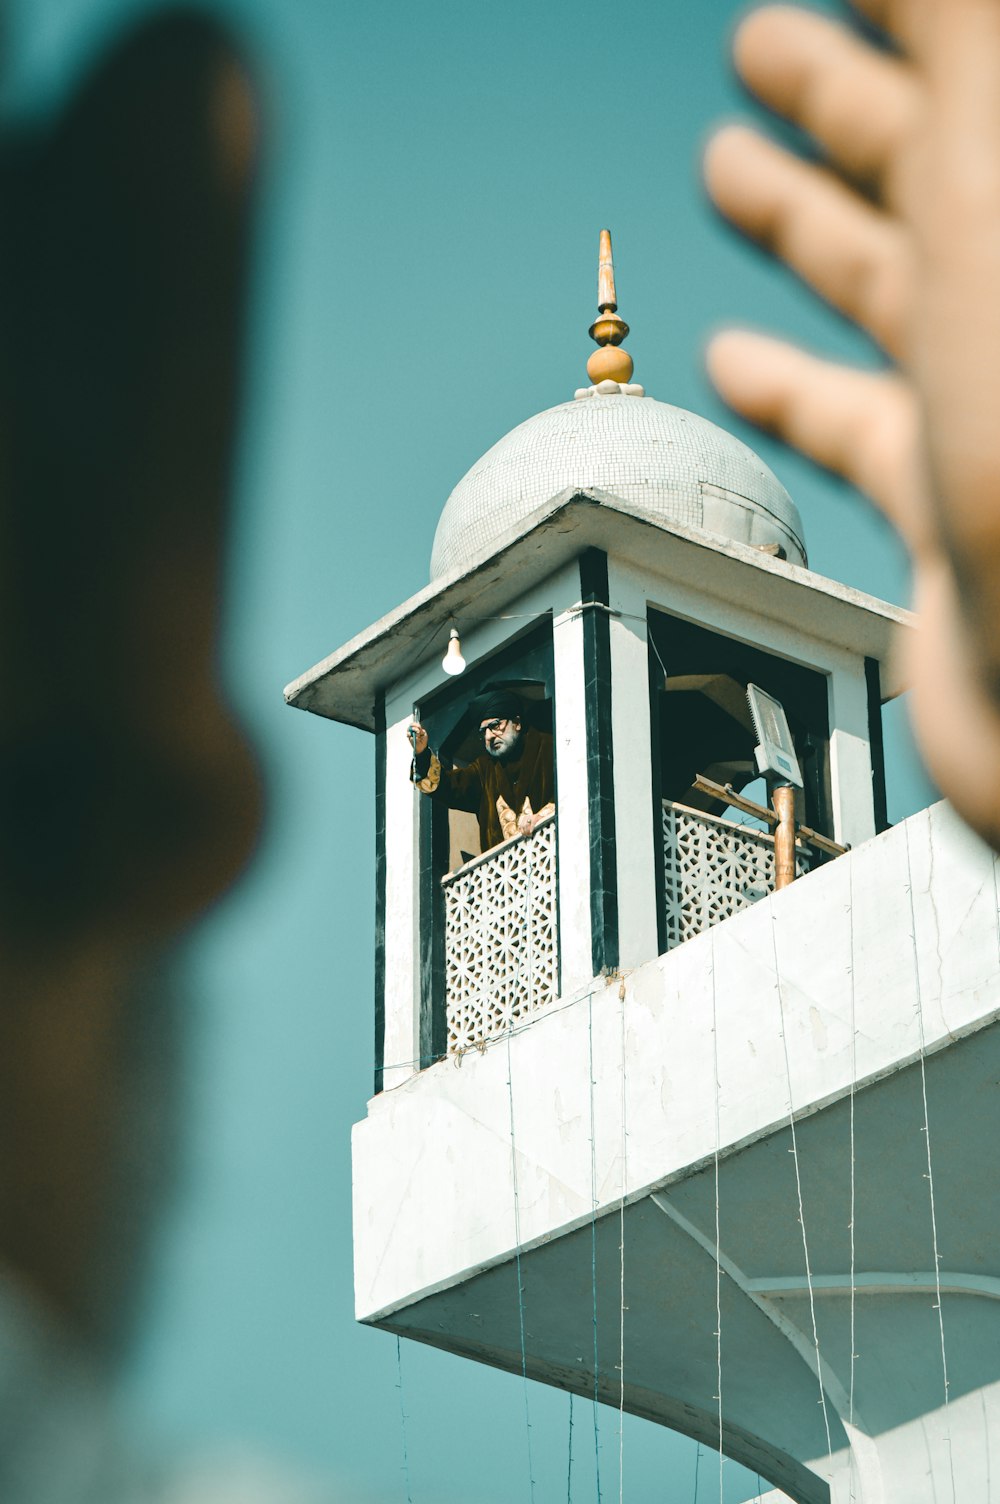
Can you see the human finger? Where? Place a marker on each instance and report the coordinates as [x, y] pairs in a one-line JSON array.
[[853, 254], [857, 102], [912, 24], [860, 424], [954, 707]]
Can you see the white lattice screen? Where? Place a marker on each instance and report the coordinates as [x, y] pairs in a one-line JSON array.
[[501, 938], [712, 868]]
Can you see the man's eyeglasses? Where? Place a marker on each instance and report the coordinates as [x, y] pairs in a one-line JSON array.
[[489, 726]]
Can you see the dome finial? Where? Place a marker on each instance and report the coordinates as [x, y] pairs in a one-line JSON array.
[[608, 363], [606, 298]]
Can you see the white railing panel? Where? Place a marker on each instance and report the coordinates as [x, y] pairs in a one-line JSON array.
[[713, 868], [501, 938]]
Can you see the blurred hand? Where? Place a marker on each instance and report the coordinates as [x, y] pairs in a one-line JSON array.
[[898, 228], [418, 737]]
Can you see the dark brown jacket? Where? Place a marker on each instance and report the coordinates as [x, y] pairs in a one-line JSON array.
[[494, 791]]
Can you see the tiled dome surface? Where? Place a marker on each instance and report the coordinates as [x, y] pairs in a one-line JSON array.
[[674, 465]]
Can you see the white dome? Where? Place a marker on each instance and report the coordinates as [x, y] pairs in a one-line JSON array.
[[672, 464]]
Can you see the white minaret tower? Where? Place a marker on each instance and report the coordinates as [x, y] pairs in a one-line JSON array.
[[766, 1118]]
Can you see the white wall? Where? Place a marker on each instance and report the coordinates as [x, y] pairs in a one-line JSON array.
[[637, 838], [432, 1161]]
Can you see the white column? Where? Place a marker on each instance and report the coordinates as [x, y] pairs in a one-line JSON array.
[[402, 1005], [573, 812], [850, 755], [635, 837]]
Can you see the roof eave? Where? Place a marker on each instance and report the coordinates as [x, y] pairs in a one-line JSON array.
[[344, 686]]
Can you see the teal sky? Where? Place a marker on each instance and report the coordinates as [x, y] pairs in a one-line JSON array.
[[435, 181]]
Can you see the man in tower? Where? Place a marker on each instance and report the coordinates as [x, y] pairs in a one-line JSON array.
[[510, 787]]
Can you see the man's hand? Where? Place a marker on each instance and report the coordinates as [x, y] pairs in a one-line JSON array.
[[899, 230], [529, 819], [418, 738]]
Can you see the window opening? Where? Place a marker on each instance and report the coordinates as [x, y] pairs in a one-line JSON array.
[[704, 724], [757, 791], [464, 743], [713, 859], [488, 920]]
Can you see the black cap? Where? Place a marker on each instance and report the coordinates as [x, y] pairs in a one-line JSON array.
[[498, 703]]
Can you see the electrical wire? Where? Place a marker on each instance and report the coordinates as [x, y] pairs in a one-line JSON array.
[[798, 1189], [517, 1199], [621, 1266], [569, 1463], [718, 1236], [854, 1078], [593, 1232], [402, 1421], [929, 1174], [520, 1282]]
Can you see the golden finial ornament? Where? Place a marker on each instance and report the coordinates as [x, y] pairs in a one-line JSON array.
[[608, 362]]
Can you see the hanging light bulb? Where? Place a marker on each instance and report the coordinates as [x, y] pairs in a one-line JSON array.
[[453, 662]]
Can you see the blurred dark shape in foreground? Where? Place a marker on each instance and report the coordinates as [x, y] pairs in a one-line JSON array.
[[130, 798]]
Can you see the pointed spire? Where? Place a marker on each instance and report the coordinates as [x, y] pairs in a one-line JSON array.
[[606, 298], [608, 363]]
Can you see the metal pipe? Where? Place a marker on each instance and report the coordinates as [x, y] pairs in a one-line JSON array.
[[783, 800]]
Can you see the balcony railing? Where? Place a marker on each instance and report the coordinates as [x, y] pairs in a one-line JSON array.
[[501, 938], [712, 868]]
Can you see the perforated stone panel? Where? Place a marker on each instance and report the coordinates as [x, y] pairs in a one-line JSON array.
[[501, 939], [712, 868], [671, 463]]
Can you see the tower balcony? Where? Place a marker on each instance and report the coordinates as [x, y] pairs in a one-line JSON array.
[[547, 1052], [501, 938], [713, 868], [761, 1154], [501, 913]]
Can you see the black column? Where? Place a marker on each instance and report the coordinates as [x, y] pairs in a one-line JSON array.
[[433, 860], [874, 686], [600, 760], [656, 685]]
